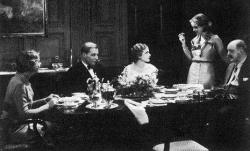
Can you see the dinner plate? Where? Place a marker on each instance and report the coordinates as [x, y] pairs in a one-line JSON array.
[[160, 86], [171, 89], [69, 101], [182, 99], [67, 104], [43, 68], [157, 101], [169, 95], [152, 105], [101, 106]]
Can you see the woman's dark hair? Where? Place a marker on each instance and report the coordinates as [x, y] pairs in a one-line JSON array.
[[26, 61], [137, 50], [203, 21]]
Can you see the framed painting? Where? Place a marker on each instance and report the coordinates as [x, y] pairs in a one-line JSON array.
[[23, 18]]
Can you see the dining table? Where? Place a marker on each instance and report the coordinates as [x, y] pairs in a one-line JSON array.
[[168, 119]]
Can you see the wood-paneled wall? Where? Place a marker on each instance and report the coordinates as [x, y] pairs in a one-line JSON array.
[[55, 43], [70, 23], [158, 23]]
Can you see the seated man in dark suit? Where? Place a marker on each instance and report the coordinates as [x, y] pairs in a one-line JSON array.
[[231, 117], [237, 77], [76, 78]]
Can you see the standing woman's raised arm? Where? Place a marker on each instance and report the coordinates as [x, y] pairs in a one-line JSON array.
[[184, 46]]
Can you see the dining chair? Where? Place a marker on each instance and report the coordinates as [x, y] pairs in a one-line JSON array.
[[6, 145]]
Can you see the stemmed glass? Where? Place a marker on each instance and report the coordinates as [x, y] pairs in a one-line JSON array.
[[93, 93], [108, 93], [94, 98]]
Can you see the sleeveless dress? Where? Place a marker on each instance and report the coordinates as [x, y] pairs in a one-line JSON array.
[[201, 70], [130, 75]]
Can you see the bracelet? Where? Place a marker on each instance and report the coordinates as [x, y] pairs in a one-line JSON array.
[[46, 100]]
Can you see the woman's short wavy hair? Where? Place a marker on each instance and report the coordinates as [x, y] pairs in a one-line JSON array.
[[26, 61], [203, 21], [137, 50]]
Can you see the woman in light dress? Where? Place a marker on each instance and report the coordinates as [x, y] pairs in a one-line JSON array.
[[140, 65], [205, 46]]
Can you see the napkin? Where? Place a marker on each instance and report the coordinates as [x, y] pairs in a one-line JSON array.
[[138, 111]]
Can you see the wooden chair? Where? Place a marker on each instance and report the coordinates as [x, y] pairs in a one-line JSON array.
[[5, 145]]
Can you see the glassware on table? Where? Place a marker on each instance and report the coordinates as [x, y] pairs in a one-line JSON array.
[[108, 93], [93, 99], [108, 96]]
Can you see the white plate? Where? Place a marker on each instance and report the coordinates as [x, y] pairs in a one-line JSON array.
[[43, 69], [70, 101], [171, 90], [152, 105], [79, 94], [101, 106], [169, 95], [157, 101], [182, 99]]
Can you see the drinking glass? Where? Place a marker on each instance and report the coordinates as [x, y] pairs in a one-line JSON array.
[[94, 98], [108, 95]]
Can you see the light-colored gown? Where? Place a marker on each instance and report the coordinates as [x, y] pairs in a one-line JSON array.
[[203, 53], [130, 75]]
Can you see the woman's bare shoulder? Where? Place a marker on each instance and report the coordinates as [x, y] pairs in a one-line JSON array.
[[215, 38], [151, 66]]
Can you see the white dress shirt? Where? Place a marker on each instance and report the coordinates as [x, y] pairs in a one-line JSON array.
[[91, 71], [234, 79]]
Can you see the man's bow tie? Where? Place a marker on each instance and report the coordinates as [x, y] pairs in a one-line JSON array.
[[89, 67]]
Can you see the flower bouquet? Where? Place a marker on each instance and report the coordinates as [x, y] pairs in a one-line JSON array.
[[140, 88]]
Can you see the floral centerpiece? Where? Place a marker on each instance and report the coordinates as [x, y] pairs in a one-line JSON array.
[[141, 87]]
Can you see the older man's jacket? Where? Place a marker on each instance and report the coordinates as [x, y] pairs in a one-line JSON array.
[[243, 90]]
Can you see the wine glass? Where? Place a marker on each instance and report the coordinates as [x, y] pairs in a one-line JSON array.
[[94, 98], [108, 95]]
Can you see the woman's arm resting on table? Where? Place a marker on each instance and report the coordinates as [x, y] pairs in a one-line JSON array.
[[24, 105]]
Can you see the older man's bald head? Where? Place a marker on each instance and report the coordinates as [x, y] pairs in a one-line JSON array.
[[236, 50], [237, 44]]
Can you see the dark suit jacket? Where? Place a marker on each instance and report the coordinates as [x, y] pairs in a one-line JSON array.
[[243, 90], [244, 77], [75, 80]]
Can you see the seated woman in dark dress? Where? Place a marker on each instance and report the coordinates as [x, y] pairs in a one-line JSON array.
[[19, 104]]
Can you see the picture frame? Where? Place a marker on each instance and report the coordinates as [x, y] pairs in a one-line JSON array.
[[23, 18]]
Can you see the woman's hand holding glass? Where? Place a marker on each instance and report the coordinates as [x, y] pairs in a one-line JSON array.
[[182, 38]]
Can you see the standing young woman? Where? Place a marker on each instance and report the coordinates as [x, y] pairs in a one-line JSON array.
[[204, 48]]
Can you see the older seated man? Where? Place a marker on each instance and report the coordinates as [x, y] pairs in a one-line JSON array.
[[230, 118], [238, 74]]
